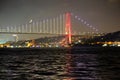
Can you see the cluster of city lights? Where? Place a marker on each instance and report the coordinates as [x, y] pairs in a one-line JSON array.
[[84, 22]]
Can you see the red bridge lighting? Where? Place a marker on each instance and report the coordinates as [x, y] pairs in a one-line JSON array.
[[68, 27]]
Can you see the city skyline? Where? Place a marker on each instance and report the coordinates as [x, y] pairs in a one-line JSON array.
[[103, 14]]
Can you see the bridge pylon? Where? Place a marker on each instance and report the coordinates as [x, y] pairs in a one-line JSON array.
[[68, 28]]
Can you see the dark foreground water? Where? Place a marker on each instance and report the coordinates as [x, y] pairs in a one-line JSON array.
[[60, 64]]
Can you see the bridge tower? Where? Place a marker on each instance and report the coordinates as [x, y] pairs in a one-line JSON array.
[[68, 27]]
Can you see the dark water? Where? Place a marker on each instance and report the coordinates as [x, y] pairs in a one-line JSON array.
[[60, 64]]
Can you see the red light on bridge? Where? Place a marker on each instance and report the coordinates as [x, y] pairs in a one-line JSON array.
[[68, 27]]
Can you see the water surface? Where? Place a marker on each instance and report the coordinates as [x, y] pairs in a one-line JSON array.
[[59, 64]]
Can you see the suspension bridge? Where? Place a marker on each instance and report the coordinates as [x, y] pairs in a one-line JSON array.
[[59, 25]]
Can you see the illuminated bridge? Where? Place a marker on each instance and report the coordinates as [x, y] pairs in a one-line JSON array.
[[59, 25]]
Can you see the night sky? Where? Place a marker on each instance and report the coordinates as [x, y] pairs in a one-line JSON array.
[[103, 14]]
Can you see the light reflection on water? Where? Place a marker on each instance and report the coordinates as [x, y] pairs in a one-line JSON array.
[[59, 65]]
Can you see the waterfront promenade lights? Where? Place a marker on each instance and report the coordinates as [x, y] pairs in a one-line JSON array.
[[16, 37]]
